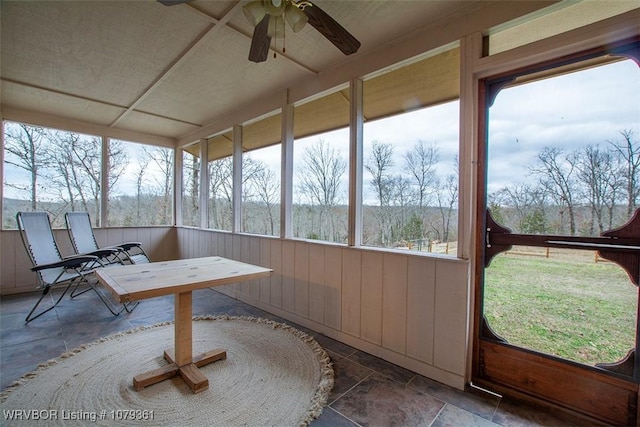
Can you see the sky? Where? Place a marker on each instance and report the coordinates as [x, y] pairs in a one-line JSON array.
[[569, 112]]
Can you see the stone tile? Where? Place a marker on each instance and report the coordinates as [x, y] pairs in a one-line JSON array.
[[17, 360], [452, 416], [23, 303], [335, 346], [14, 330], [151, 311], [388, 369], [474, 401], [514, 413], [380, 401], [330, 418], [86, 307], [77, 334], [346, 374]]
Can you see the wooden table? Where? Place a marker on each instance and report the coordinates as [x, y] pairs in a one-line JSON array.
[[180, 277]]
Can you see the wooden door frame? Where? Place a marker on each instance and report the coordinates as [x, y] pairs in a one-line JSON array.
[[600, 394]]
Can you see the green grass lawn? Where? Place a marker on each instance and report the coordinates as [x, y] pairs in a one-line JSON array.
[[566, 306]]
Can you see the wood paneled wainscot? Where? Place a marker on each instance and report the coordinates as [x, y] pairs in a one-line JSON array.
[[408, 309], [15, 275]]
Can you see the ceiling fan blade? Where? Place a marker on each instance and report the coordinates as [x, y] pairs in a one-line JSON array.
[[173, 2], [260, 41], [334, 32]]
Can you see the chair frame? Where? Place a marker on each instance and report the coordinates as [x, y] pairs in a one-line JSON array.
[[84, 241], [72, 271]]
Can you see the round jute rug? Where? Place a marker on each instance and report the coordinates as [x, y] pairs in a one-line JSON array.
[[274, 375]]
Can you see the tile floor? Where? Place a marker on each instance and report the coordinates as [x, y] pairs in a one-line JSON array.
[[368, 391]]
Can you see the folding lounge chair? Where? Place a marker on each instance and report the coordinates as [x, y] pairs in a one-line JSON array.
[[52, 269], [84, 241]]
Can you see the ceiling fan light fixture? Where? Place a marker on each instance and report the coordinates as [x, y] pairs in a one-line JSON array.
[[274, 7], [254, 12], [295, 17], [276, 27]]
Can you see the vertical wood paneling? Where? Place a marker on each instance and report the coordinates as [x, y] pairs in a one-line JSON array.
[[245, 256], [394, 302], [222, 244], [193, 243], [228, 245], [203, 244], [333, 287], [450, 323], [351, 282], [10, 243], [236, 246], [265, 261], [288, 276], [237, 240], [254, 258], [156, 237], [64, 243], [371, 321], [421, 282], [276, 277], [302, 279], [316, 283], [173, 248], [110, 237]]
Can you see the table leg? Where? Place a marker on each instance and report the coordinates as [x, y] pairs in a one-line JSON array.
[[182, 361], [183, 331]]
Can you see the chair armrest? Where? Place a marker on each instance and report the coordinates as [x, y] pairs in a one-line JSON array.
[[128, 245], [104, 252], [69, 262]]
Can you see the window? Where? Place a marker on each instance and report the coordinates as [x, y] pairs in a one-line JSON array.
[[140, 184], [51, 170], [191, 186], [320, 176], [410, 151], [220, 170], [261, 160]]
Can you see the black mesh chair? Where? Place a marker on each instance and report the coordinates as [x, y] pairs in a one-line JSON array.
[[84, 242], [52, 269]]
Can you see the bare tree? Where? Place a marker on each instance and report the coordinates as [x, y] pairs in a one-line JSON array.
[[27, 146], [555, 174], [629, 152], [447, 200], [220, 193], [526, 200], [265, 188], [191, 183], [140, 179], [163, 159], [75, 161], [597, 172], [380, 165], [420, 163], [320, 182]]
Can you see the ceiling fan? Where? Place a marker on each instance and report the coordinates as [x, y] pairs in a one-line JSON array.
[[268, 18]]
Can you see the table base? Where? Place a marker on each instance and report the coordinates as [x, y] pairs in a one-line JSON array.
[[189, 372]]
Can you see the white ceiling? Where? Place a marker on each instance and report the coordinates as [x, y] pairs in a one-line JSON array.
[[170, 72]]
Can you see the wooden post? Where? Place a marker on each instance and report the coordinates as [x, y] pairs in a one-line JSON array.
[[183, 339]]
